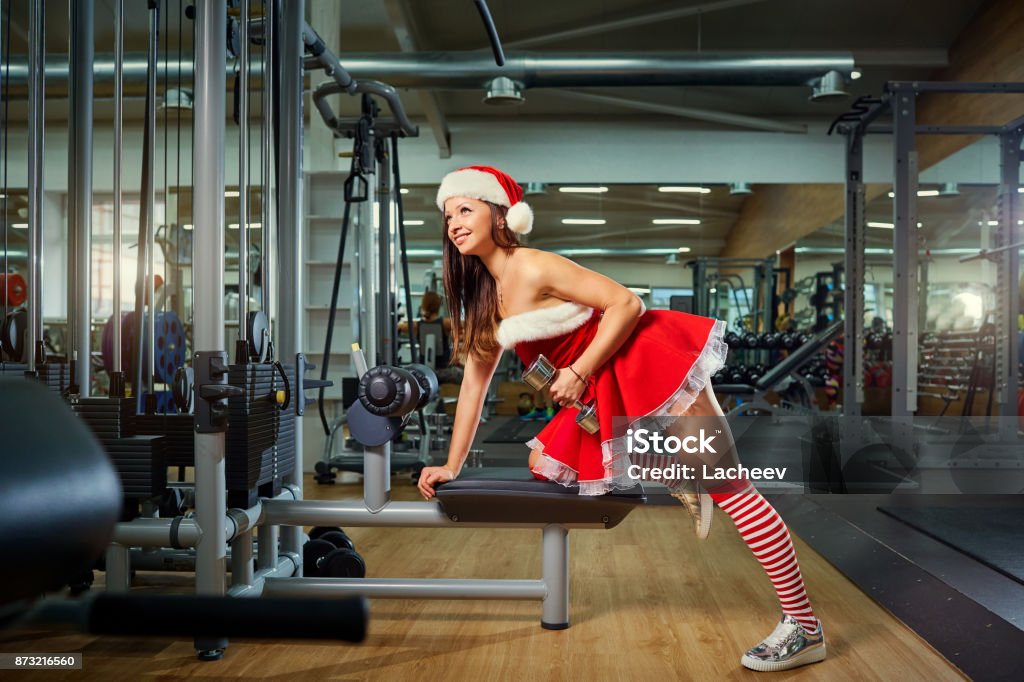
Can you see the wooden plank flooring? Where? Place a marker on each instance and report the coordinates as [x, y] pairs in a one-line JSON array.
[[649, 602]]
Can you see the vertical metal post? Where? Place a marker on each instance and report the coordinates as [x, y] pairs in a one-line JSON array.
[[80, 186], [290, 238], [36, 130], [267, 536], [905, 294], [118, 201], [853, 293], [267, 191], [150, 282], [241, 560], [208, 280], [118, 568], [1007, 281], [243, 175], [368, 246], [555, 569], [385, 263]]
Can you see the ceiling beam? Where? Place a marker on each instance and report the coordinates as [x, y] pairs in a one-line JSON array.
[[405, 33], [988, 49], [690, 113], [627, 21]]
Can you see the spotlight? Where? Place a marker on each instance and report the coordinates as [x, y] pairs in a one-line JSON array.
[[503, 91], [830, 86]]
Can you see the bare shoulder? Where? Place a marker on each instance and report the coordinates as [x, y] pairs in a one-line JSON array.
[[537, 263]]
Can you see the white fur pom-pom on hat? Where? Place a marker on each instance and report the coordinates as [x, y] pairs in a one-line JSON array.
[[488, 184], [520, 218]]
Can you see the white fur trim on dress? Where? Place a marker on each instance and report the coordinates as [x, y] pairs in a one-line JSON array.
[[542, 323], [520, 218], [471, 183]]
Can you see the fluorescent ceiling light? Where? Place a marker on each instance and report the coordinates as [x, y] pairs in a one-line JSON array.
[[412, 222], [920, 193], [676, 221], [888, 226], [404, 190], [251, 226], [584, 190], [19, 226], [231, 193], [423, 252], [855, 74], [687, 189], [583, 221], [683, 249], [187, 226]]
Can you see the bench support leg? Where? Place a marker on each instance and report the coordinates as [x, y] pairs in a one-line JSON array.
[[555, 561]]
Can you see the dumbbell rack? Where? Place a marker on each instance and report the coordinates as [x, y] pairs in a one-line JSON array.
[[953, 365]]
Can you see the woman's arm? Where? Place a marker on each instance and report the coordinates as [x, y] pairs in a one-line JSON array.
[[560, 277], [472, 393]]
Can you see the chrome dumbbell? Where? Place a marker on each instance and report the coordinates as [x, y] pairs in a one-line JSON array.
[[540, 373]]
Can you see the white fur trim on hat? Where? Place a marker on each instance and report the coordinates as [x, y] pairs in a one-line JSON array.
[[520, 218], [472, 183]]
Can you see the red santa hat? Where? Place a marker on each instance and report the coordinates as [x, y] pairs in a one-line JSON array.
[[488, 184]]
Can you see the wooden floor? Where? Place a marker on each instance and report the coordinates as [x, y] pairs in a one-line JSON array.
[[649, 602]]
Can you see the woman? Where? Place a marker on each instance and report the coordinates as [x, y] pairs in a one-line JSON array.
[[429, 323], [641, 367]]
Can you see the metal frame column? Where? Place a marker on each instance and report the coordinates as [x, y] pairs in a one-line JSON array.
[[36, 179], [1008, 276], [905, 275], [208, 278], [853, 292], [290, 238], [80, 90], [385, 262]]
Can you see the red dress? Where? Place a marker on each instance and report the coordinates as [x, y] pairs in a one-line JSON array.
[[659, 370]]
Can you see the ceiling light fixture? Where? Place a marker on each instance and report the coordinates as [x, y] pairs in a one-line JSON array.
[[687, 189], [404, 190], [856, 74], [230, 193], [535, 188], [740, 188], [583, 190], [676, 221], [412, 222], [502, 91], [828, 87], [949, 189], [583, 221], [19, 226]]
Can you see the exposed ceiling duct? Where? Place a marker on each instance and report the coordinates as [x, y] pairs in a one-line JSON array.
[[474, 70]]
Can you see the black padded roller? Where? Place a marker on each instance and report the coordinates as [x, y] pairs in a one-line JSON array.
[[389, 391], [209, 616]]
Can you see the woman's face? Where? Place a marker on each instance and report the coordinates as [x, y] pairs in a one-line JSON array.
[[468, 225]]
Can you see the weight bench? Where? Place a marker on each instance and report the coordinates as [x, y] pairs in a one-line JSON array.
[[489, 498], [774, 378]]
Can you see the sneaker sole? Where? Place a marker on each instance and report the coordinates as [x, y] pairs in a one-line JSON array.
[[707, 513], [815, 655]]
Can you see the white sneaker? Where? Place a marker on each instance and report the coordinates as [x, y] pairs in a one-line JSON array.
[[789, 646], [701, 508]]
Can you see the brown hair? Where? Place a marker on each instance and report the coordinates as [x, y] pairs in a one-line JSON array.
[[430, 303], [472, 292]]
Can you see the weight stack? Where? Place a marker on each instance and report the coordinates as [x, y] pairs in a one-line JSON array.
[[56, 376], [13, 369], [178, 433], [252, 429], [140, 464], [109, 418], [284, 446], [139, 460]]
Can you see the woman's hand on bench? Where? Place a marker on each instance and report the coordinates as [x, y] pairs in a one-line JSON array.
[[431, 476]]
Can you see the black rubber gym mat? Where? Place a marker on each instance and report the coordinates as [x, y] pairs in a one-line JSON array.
[[991, 535], [516, 431]]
